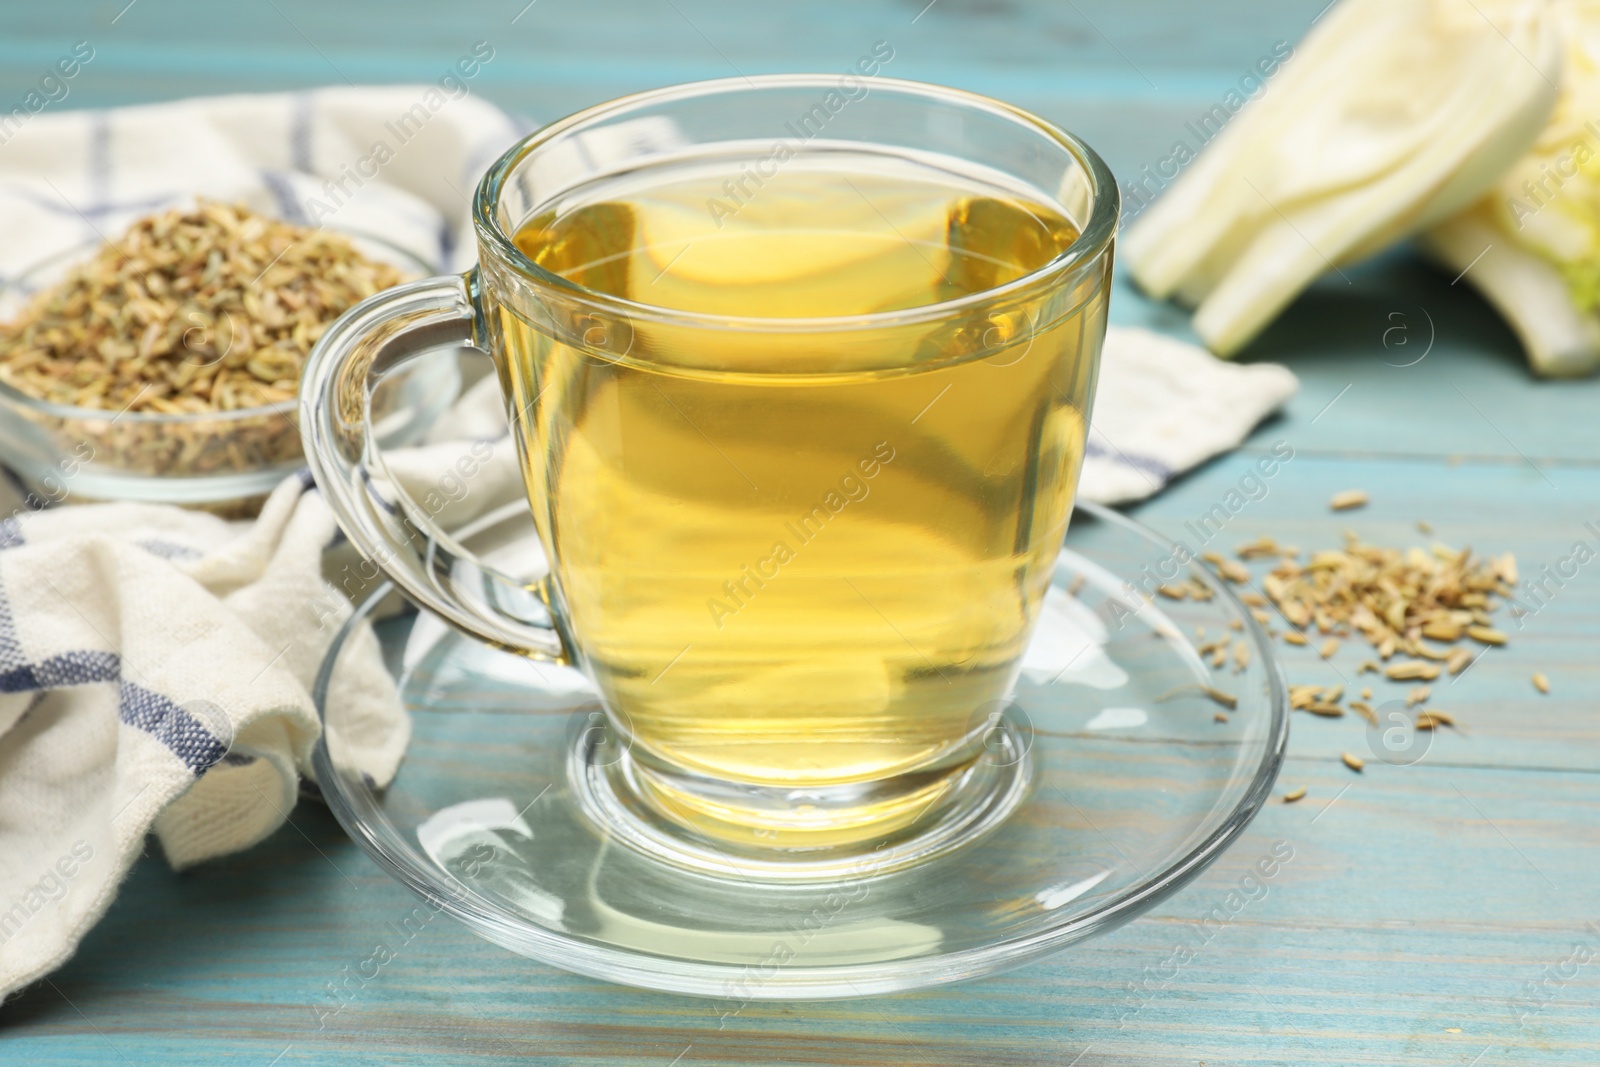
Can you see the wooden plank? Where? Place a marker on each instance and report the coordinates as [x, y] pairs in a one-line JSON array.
[[1491, 507], [1425, 898], [1149, 46]]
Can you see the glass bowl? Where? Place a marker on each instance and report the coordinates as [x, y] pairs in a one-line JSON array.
[[224, 461], [1138, 784]]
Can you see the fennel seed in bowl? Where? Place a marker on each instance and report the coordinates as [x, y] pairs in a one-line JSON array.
[[196, 322]]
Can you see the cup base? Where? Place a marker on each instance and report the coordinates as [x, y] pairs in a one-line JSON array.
[[812, 835]]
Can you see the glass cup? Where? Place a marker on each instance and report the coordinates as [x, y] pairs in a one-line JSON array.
[[799, 371]]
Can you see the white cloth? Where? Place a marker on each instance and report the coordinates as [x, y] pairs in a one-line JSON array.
[[155, 663], [1164, 406], [363, 161], [154, 673]]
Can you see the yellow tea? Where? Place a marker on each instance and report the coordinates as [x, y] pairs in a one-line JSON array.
[[811, 555]]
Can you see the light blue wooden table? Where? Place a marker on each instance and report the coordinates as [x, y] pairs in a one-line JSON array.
[[1421, 902]]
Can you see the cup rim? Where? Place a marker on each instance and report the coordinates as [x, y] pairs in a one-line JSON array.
[[1093, 239]]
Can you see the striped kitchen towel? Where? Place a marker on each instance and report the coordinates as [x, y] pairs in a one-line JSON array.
[[1163, 407], [154, 674], [155, 664], [398, 163]]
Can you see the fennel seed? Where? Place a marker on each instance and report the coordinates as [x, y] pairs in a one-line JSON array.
[[1411, 671], [1348, 499]]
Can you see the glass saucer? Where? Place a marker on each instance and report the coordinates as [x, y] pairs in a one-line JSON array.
[[1144, 764]]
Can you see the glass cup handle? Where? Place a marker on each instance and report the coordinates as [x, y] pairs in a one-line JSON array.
[[381, 520]]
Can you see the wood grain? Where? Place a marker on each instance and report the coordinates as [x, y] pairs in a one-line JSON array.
[[1425, 899]]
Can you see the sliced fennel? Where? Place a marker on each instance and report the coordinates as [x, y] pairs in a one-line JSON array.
[[1561, 339], [1392, 115], [1532, 246]]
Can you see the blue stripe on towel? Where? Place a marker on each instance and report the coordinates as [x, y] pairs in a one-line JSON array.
[[139, 707], [58, 672], [1153, 467], [300, 132], [282, 191], [11, 656], [447, 244], [181, 732], [77, 668], [170, 550]]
